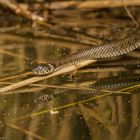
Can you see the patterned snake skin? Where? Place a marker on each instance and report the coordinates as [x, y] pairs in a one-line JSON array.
[[112, 49]]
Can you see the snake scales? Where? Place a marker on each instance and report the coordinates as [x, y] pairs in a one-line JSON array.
[[108, 50]]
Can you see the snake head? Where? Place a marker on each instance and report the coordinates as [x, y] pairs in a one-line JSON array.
[[43, 70]]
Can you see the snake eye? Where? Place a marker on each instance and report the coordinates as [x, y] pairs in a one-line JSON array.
[[42, 70]]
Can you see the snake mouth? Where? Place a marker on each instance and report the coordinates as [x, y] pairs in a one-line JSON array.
[[43, 70]]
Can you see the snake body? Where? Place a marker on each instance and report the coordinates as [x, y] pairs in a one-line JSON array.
[[108, 50]]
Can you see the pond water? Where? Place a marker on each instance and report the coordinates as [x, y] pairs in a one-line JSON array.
[[100, 101]]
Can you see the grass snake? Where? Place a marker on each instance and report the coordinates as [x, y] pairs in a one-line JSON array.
[[103, 51]]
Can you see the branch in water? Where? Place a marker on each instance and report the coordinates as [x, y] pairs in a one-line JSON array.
[[36, 79]]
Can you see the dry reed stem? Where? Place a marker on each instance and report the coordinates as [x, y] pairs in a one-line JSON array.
[[66, 106], [22, 10], [44, 38], [97, 4], [108, 4], [130, 14], [93, 41], [108, 69], [25, 131], [36, 79], [15, 76], [2, 51], [61, 107], [42, 87]]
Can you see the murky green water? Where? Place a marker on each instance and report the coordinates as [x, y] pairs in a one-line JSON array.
[[100, 101]]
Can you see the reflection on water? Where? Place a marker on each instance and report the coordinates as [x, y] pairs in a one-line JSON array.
[[99, 101]]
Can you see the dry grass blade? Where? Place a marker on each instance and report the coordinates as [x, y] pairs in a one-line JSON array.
[[107, 4], [61, 107], [131, 87], [97, 4], [41, 87], [15, 76], [19, 9], [9, 53], [129, 14], [25, 131], [70, 105], [25, 91], [108, 93], [36, 79]]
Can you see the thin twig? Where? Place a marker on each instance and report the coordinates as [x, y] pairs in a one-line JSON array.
[[19, 9], [98, 4], [25, 131], [130, 14], [15, 76]]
